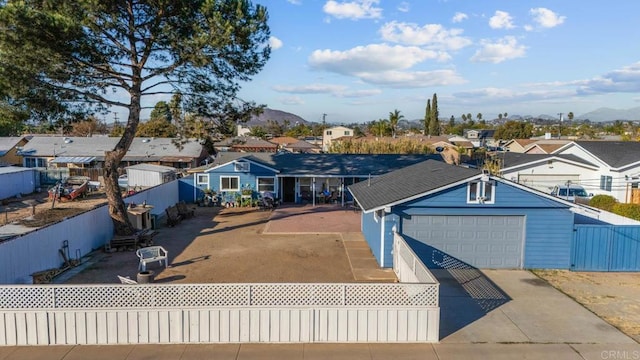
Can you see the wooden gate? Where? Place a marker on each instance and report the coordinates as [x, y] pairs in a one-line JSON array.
[[606, 248]]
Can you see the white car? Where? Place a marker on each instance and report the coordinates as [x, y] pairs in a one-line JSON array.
[[571, 192], [123, 181]]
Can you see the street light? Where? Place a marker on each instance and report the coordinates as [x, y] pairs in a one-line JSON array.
[[560, 127]]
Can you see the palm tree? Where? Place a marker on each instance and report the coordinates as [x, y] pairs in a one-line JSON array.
[[394, 118], [479, 116]]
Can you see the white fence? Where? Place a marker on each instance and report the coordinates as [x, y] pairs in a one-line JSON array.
[[407, 265], [218, 313], [38, 250]]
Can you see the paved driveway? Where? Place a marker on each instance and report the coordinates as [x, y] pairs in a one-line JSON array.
[[514, 306]]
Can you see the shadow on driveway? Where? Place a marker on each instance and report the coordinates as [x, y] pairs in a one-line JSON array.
[[466, 294]]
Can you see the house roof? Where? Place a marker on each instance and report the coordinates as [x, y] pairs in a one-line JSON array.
[[407, 182], [308, 165], [141, 149], [513, 159], [8, 143], [282, 140], [152, 167], [302, 145], [614, 153], [548, 146]]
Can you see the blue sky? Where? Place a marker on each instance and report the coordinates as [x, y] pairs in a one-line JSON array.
[[358, 60]]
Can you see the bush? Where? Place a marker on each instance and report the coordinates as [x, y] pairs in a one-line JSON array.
[[627, 210], [604, 202]]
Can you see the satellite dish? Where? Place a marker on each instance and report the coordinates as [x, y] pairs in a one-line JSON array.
[[439, 149]]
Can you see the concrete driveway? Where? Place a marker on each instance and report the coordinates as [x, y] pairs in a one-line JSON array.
[[514, 306]]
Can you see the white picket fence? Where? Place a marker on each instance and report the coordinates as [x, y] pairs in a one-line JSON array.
[[218, 313]]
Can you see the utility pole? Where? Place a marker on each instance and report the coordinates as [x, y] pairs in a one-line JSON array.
[[115, 119], [560, 127], [324, 126]]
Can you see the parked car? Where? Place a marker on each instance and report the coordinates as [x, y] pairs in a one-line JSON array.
[[123, 181], [571, 192]]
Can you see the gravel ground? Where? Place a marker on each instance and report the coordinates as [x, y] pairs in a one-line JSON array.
[[615, 297]]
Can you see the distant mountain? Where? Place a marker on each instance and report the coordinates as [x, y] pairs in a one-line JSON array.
[[277, 116], [609, 114]]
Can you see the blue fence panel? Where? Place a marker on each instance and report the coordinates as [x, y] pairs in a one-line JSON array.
[[625, 249], [590, 248], [606, 248]]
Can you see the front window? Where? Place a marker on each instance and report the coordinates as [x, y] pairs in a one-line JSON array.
[[480, 192], [347, 133], [202, 179], [229, 183], [605, 182], [328, 132], [266, 184]]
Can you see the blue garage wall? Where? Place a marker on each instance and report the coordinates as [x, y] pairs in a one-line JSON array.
[[187, 192], [548, 224]]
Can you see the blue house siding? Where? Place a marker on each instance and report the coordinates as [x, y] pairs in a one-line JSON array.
[[371, 231], [246, 179], [548, 224]]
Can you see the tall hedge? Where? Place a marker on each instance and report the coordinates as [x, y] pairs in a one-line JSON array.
[[627, 210], [604, 202]]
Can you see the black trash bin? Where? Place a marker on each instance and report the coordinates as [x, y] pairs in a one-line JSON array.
[[145, 277]]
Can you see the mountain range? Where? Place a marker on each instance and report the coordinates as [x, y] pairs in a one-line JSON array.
[[609, 114], [277, 116]]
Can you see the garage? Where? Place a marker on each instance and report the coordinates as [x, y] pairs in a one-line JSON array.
[[480, 241]]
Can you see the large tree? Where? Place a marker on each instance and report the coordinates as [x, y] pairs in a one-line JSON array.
[[434, 125], [427, 117], [99, 53]]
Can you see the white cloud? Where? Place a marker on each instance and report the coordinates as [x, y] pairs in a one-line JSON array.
[[459, 17], [354, 10], [623, 80], [310, 89], [403, 7], [504, 49], [275, 43], [430, 34], [359, 93], [371, 58], [413, 79], [291, 100], [546, 18], [294, 2], [501, 20]]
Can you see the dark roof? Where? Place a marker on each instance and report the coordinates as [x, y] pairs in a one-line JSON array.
[[407, 182], [302, 164], [512, 159], [614, 153]]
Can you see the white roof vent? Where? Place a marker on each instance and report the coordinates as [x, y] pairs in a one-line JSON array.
[[146, 140], [67, 140]]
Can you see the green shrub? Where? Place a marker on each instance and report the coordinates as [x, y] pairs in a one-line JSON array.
[[604, 202], [627, 210]]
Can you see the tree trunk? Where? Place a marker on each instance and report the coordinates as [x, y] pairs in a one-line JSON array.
[[117, 208]]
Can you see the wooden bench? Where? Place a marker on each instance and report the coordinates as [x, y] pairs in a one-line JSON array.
[[184, 210], [124, 242], [173, 216], [151, 254]]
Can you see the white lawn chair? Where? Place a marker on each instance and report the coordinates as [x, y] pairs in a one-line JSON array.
[[151, 254], [127, 280]]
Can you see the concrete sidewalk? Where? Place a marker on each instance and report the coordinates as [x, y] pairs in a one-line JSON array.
[[325, 351]]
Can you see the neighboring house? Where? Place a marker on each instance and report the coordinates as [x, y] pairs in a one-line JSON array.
[[147, 175], [480, 137], [242, 130], [544, 171], [89, 152], [545, 146], [618, 167], [297, 178], [518, 145], [294, 145], [456, 217], [9, 148], [245, 144], [335, 132]]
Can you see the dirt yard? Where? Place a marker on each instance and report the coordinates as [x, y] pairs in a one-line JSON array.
[[20, 209], [615, 297]]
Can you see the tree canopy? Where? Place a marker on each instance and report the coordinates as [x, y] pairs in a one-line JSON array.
[[60, 57]]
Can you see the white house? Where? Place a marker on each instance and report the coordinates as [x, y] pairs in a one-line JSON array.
[[601, 167], [333, 133]]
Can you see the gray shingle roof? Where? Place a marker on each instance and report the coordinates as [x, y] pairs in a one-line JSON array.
[[408, 182], [614, 153], [512, 159], [148, 149]]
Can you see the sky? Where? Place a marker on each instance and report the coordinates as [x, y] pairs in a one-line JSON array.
[[355, 61]]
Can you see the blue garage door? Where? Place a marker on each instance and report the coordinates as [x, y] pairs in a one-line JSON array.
[[480, 241]]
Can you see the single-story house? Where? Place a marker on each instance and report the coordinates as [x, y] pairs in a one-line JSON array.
[[544, 171], [295, 178], [618, 167], [468, 218], [9, 148], [89, 152]]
